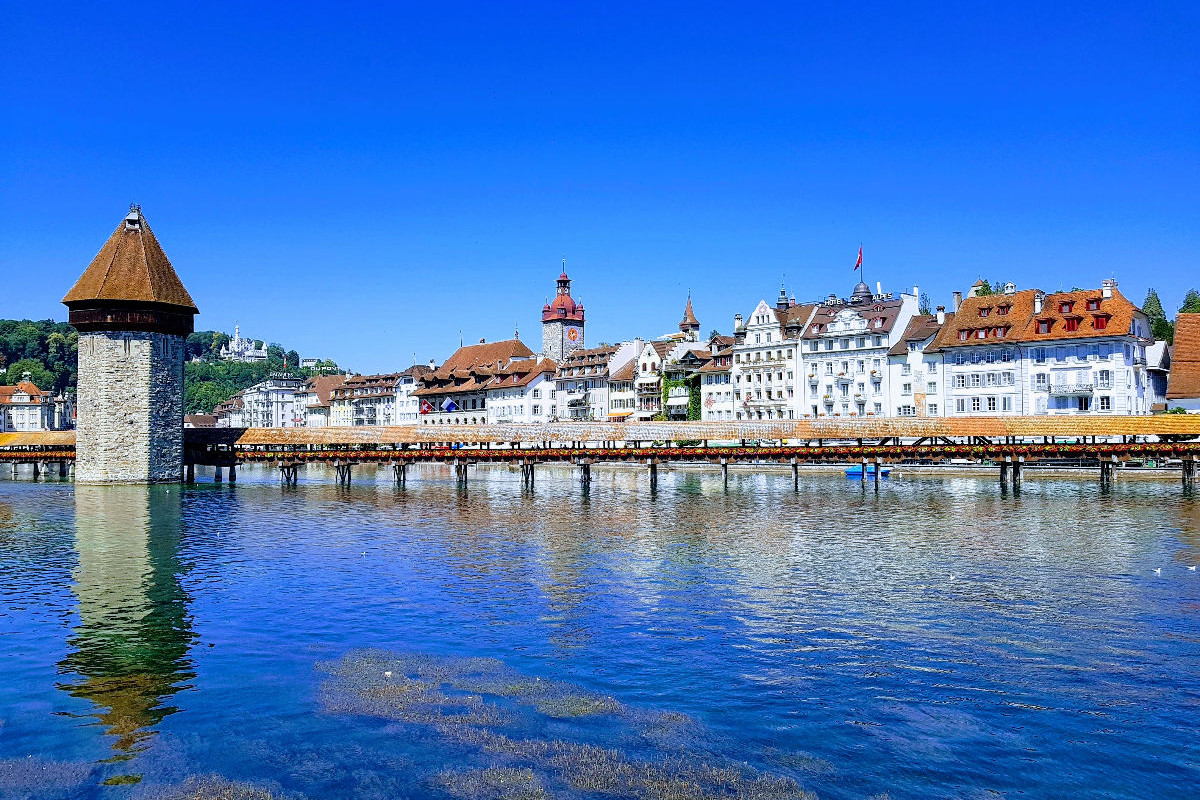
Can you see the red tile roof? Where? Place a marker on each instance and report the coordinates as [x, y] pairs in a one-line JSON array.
[[1184, 380], [36, 395], [1011, 318]]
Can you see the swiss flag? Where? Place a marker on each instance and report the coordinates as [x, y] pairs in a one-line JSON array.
[[426, 407], [858, 264]]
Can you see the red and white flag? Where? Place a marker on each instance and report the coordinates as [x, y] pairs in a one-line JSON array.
[[858, 264]]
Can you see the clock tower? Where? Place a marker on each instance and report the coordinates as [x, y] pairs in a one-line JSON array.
[[562, 322]]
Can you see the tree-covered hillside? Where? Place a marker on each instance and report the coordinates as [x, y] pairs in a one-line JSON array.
[[48, 351]]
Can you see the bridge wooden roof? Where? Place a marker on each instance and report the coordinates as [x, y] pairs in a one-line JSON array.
[[1165, 424]]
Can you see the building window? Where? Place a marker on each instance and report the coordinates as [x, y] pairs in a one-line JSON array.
[[960, 381], [962, 335], [1093, 304], [1100, 323], [931, 409], [1064, 308], [1105, 403], [906, 389], [991, 404], [1002, 310], [931, 368], [975, 404], [976, 380], [906, 369], [960, 405], [1043, 326], [1006, 403], [1083, 404], [931, 387], [1071, 324]]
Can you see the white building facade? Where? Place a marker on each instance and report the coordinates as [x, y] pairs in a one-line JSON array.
[[270, 403]]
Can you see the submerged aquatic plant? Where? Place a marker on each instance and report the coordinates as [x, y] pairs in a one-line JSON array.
[[483, 704]]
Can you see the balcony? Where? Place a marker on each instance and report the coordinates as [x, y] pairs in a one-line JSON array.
[[576, 398], [1062, 389]]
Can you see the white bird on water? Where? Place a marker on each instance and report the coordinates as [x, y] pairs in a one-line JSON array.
[[1192, 568], [1158, 571]]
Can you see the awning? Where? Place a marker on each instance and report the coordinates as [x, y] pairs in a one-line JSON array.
[[677, 401], [620, 414]]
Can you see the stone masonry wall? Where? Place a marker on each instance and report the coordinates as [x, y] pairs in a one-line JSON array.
[[130, 408]]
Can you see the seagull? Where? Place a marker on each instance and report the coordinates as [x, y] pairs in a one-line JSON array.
[[1158, 571], [1191, 569]]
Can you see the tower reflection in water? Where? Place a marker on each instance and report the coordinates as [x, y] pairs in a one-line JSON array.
[[130, 650]]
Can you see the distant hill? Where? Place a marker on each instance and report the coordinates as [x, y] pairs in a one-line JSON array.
[[48, 351]]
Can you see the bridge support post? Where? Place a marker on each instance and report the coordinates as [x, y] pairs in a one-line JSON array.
[[15, 467], [878, 469], [342, 473], [795, 474], [37, 469], [527, 473], [217, 475], [863, 477], [1004, 464], [62, 469], [725, 472], [460, 471], [400, 473], [1189, 473], [653, 465], [1016, 474], [585, 474], [233, 473], [189, 472]]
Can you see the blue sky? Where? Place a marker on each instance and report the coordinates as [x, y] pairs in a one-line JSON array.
[[362, 183]]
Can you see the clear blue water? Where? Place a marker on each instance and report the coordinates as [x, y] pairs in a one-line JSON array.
[[936, 640]]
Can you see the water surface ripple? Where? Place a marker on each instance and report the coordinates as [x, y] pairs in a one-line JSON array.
[[938, 639]]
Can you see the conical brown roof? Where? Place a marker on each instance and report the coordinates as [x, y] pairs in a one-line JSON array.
[[689, 318], [131, 267]]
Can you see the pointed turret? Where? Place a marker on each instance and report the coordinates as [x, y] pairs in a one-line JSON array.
[[689, 323]]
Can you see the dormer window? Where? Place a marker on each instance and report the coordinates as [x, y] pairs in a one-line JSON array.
[[983, 312], [1100, 322], [1093, 304], [981, 333], [1071, 324], [1043, 326], [962, 335], [1065, 307], [1003, 310]]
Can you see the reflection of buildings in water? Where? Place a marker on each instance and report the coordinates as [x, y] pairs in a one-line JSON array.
[[130, 649]]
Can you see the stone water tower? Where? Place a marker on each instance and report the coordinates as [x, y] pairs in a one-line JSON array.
[[133, 316]]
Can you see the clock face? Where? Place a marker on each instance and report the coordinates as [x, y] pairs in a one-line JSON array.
[[572, 333]]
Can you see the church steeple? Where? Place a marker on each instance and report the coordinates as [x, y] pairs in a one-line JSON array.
[[689, 324]]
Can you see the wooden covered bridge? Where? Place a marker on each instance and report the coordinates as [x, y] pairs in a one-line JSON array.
[[1009, 443]]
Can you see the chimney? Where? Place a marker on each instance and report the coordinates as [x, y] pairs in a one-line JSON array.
[[916, 291], [432, 364], [1037, 302], [941, 315], [737, 323], [957, 301], [878, 287], [1106, 288], [792, 301], [482, 340]]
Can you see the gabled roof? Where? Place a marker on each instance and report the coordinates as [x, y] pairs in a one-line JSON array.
[[36, 395], [920, 328], [485, 353], [1020, 322], [521, 373], [625, 373], [131, 267], [322, 386], [1184, 380]]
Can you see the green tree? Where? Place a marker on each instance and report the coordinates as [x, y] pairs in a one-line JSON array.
[[924, 305], [1191, 303], [293, 358], [42, 377], [1160, 326]]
